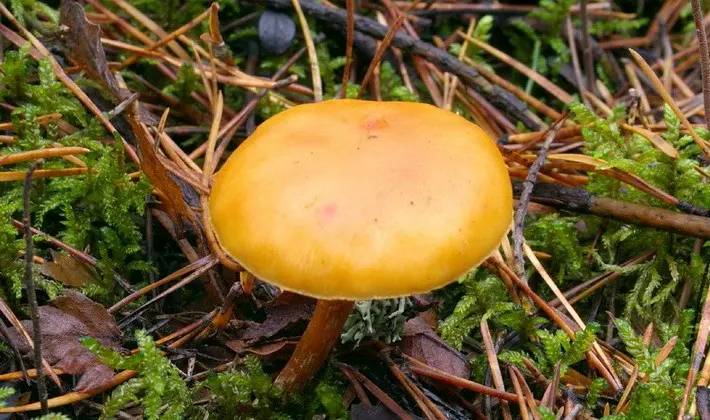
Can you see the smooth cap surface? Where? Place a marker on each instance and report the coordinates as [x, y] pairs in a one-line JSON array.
[[349, 199]]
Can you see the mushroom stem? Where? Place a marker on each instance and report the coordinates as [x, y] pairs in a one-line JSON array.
[[321, 336]]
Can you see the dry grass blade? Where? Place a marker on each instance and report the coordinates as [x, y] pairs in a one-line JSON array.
[[495, 368], [171, 277], [197, 273], [517, 91], [130, 48], [169, 38], [620, 407], [430, 410], [615, 382], [598, 104], [609, 375], [529, 398], [704, 54], [431, 372], [177, 154], [589, 161], [41, 154], [72, 397], [497, 261], [638, 90], [666, 350], [208, 166], [152, 26], [31, 373], [203, 73], [669, 100], [42, 120], [41, 173], [214, 76], [546, 84], [654, 138], [451, 82], [386, 400], [548, 399], [349, 40], [380, 52], [359, 390], [701, 340], [583, 290], [312, 56], [601, 166], [524, 413]]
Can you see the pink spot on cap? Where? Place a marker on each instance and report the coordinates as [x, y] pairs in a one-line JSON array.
[[328, 211], [374, 122]]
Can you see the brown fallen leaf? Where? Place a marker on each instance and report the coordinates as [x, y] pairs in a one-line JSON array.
[[63, 324], [277, 348], [420, 341], [285, 312], [83, 40], [68, 270], [157, 173]]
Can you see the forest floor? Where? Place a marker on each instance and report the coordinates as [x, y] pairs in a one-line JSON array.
[[118, 301]]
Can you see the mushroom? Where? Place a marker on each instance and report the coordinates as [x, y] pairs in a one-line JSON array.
[[348, 200]]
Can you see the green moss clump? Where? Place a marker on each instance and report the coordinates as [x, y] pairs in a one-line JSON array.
[[95, 211], [483, 294], [660, 396], [559, 237], [158, 388], [554, 348], [651, 287], [245, 393]]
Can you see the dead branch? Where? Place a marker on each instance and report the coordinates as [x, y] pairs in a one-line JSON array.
[[495, 94], [579, 200]]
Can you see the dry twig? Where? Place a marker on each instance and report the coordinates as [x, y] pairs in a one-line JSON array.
[[30, 285], [519, 223]]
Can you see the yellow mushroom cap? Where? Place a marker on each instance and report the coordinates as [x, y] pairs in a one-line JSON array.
[[349, 199]]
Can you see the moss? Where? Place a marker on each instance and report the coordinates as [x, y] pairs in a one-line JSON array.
[[244, 393], [248, 393], [553, 348], [559, 237], [96, 211], [158, 388], [652, 287], [484, 295]]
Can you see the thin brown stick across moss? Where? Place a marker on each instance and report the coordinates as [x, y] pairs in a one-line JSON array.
[[526, 193], [30, 286]]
